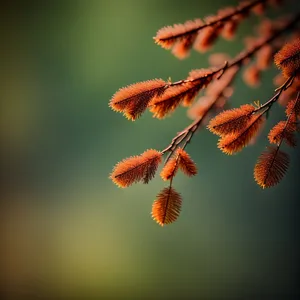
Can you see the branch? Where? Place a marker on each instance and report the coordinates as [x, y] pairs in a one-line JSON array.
[[187, 134], [167, 36], [288, 119], [241, 57], [273, 163], [278, 91]]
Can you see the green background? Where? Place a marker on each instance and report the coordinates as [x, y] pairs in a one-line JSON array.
[[66, 230]]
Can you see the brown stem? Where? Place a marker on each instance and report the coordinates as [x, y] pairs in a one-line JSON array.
[[278, 91], [187, 134], [284, 129], [189, 131], [243, 56], [248, 54], [288, 119], [239, 10]]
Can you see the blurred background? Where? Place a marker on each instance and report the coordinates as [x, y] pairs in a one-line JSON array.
[[66, 231]]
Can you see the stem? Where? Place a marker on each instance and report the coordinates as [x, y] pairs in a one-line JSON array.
[[241, 57], [284, 129], [240, 9], [288, 119], [187, 134], [279, 90], [248, 54]]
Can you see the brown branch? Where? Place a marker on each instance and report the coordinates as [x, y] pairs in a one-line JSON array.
[[288, 120], [248, 54], [242, 8], [187, 134], [261, 174], [243, 56], [267, 105], [134, 99]]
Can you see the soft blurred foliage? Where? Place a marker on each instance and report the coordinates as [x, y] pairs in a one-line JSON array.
[[66, 230]]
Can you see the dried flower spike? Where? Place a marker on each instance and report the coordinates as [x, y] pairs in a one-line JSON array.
[[293, 107], [180, 160], [166, 208], [235, 142], [288, 58], [136, 168], [283, 131], [186, 164], [170, 168], [134, 99], [170, 100], [232, 120], [252, 76], [271, 167]]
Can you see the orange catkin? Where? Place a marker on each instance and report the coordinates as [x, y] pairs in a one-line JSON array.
[[136, 168], [134, 99], [206, 38], [235, 142], [166, 208], [181, 48], [174, 95], [167, 36], [271, 167], [185, 163], [251, 75], [170, 168], [180, 160], [293, 107], [264, 57], [288, 58], [232, 120], [229, 29], [283, 131]]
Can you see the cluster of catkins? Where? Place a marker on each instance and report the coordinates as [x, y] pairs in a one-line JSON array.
[[236, 127]]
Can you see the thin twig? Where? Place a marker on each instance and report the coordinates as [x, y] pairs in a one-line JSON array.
[[187, 134], [241, 57], [278, 91], [284, 129], [226, 17]]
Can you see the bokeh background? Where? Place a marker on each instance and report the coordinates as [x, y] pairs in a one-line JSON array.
[[66, 230]]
